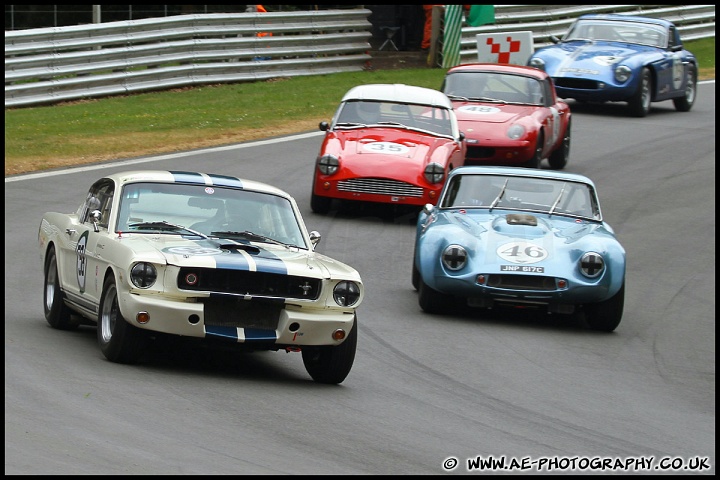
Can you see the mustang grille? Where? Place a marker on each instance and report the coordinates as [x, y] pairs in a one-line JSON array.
[[479, 152], [249, 283], [522, 282], [380, 186], [577, 83], [240, 313]]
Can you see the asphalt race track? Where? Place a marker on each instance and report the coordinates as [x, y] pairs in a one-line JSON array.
[[427, 394]]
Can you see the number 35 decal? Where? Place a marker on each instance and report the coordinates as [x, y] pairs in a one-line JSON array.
[[388, 148], [522, 252]]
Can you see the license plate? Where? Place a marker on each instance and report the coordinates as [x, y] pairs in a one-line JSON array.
[[522, 269]]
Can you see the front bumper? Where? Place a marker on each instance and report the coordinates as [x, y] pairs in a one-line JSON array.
[[276, 327]]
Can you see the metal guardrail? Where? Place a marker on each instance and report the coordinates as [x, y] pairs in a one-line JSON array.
[[51, 65]]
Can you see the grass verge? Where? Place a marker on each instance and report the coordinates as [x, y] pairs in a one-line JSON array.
[[90, 131]]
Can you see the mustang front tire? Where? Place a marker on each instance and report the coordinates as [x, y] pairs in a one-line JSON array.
[[57, 314], [605, 316], [119, 341], [328, 364]]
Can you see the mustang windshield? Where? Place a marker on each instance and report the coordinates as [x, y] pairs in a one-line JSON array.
[[186, 209], [529, 194]]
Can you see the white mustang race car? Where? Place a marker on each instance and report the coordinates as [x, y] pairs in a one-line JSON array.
[[198, 255]]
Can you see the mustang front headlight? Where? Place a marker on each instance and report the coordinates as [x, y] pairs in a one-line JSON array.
[[434, 173], [622, 73], [454, 257], [515, 132], [328, 164], [346, 293], [143, 275], [592, 264], [538, 63]]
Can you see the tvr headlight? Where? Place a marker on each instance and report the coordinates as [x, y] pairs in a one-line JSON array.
[[622, 73], [454, 257], [592, 264], [538, 63]]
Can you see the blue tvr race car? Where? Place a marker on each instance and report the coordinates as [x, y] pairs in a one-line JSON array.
[[621, 58], [518, 237]]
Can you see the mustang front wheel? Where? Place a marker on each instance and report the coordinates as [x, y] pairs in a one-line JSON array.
[[328, 364], [119, 341], [57, 313], [605, 316]]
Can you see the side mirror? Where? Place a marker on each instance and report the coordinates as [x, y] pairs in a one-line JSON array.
[[95, 216], [314, 238], [323, 126]]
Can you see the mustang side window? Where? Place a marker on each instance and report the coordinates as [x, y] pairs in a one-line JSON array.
[[99, 198]]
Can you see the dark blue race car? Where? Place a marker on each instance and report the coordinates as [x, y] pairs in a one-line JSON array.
[[621, 58], [519, 237]]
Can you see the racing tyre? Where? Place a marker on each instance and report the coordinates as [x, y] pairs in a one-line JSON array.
[[684, 104], [119, 341], [432, 301], [559, 158], [320, 204], [534, 162], [57, 314], [329, 364], [605, 316], [639, 103]]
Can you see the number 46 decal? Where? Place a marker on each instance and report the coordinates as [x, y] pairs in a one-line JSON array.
[[522, 252]]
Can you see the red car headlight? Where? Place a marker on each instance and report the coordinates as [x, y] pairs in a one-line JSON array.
[[434, 173], [328, 164]]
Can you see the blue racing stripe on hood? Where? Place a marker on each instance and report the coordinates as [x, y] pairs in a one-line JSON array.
[[266, 262]]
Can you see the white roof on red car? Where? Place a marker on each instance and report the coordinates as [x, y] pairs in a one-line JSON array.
[[400, 93]]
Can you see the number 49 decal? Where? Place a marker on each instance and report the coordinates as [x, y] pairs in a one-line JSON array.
[[522, 252]]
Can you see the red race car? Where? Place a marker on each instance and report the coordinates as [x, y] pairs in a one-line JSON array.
[[510, 115], [391, 144]]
